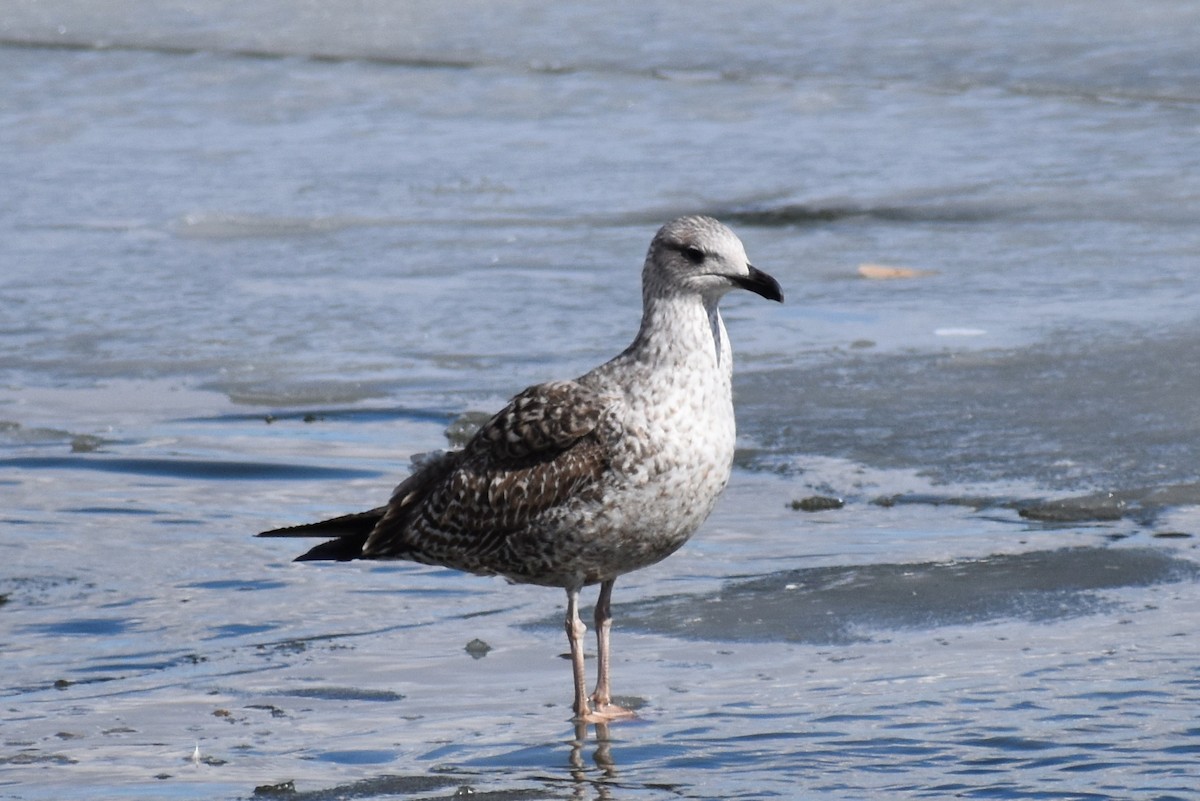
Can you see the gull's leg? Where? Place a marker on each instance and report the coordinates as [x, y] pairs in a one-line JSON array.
[[575, 632], [602, 697]]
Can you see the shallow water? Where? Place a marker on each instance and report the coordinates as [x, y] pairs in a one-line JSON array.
[[256, 256]]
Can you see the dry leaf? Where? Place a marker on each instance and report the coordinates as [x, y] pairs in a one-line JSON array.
[[884, 272]]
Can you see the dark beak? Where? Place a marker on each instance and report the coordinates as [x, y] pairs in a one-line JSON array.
[[760, 283]]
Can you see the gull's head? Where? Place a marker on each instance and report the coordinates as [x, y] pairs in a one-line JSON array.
[[699, 255]]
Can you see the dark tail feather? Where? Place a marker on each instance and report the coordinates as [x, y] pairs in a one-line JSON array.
[[343, 549], [350, 534]]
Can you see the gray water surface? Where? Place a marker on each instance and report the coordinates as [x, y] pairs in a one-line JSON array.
[[255, 257]]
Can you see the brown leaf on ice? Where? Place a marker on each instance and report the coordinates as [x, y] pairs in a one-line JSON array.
[[885, 272]]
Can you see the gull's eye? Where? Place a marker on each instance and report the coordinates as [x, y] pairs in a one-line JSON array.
[[693, 254]]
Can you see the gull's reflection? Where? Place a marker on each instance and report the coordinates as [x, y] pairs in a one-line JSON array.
[[602, 757]]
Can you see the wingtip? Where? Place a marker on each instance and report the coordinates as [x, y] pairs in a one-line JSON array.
[[290, 531]]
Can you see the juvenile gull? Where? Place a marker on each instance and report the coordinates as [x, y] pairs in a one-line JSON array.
[[577, 482]]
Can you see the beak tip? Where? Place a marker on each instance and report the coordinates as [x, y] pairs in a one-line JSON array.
[[762, 284]]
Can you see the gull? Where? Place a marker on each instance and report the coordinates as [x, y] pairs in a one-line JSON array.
[[575, 483]]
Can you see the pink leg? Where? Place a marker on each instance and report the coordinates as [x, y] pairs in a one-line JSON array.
[[575, 632], [602, 697]]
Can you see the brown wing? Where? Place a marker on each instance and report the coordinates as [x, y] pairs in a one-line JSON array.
[[552, 443]]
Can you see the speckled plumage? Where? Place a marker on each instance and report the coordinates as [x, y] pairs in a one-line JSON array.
[[577, 482]]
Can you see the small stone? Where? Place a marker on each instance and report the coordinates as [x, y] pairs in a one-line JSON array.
[[85, 443], [477, 648], [818, 503], [1073, 511], [283, 788]]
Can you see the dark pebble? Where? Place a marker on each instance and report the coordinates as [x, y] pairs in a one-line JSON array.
[[818, 503]]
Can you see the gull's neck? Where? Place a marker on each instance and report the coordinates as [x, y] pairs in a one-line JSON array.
[[681, 331]]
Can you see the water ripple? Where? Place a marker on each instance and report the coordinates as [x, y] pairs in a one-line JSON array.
[[199, 469]]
